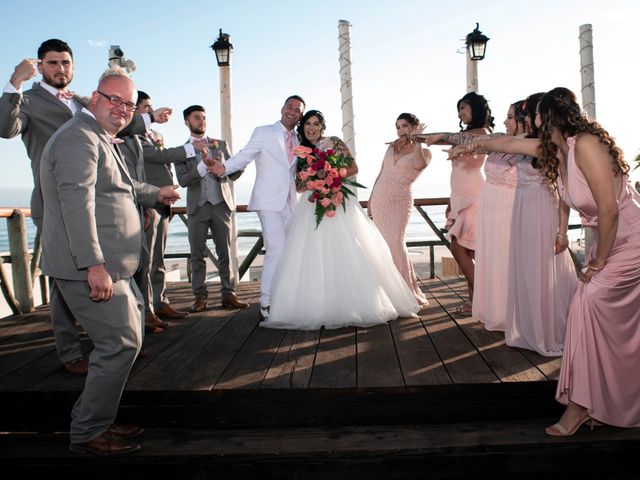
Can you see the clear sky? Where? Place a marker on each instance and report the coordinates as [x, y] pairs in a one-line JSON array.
[[404, 58]]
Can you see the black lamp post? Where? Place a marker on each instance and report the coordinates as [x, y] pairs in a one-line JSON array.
[[476, 43], [222, 48]]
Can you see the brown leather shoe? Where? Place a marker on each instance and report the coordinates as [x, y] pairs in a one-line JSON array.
[[153, 321], [168, 312], [126, 430], [199, 305], [106, 444], [79, 366], [231, 301]]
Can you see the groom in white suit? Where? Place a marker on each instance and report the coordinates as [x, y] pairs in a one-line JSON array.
[[274, 192]]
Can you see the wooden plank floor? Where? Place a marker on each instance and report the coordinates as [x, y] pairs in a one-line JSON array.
[[437, 367], [226, 349]]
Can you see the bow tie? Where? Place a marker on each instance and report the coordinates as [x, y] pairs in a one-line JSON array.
[[116, 140], [64, 95]]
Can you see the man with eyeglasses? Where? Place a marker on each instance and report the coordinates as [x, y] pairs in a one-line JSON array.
[[36, 114], [92, 238]]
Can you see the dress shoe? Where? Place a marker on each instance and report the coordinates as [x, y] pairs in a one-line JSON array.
[[169, 312], [79, 366], [264, 312], [199, 305], [152, 320], [231, 301], [126, 430], [106, 444]]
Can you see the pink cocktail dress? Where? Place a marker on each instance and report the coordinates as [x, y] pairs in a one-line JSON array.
[[602, 348], [466, 182], [541, 283], [493, 234], [391, 204]]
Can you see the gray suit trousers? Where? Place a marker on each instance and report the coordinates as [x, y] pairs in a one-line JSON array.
[[216, 218], [157, 234], [63, 325], [115, 328], [143, 274]]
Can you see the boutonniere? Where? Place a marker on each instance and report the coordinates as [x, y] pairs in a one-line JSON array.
[[214, 143]]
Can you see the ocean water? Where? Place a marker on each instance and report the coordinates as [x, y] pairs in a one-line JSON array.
[[178, 241]]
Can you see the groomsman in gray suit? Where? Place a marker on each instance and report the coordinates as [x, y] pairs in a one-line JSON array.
[[92, 238], [157, 167], [209, 205], [36, 114]]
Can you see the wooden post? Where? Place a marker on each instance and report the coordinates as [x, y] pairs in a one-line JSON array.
[[20, 260], [588, 99], [472, 73], [344, 50], [227, 136]]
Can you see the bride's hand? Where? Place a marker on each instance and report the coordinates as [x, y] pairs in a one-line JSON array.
[[420, 128]]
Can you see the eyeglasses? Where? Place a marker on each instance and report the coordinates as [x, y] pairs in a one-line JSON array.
[[117, 102]]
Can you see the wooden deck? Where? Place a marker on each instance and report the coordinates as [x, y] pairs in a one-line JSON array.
[[221, 397], [222, 357]]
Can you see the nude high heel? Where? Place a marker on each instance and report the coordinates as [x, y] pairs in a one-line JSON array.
[[560, 431]]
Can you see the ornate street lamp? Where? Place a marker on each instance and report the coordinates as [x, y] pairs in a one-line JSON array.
[[476, 43], [476, 47], [222, 48]]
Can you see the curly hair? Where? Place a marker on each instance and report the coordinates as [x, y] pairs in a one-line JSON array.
[[559, 109], [480, 112]]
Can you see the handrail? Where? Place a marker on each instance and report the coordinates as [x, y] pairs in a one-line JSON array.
[[24, 273]]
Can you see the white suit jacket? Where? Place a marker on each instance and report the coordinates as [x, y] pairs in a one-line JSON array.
[[275, 185]]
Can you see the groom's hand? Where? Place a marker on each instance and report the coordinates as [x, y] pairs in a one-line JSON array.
[[216, 168]]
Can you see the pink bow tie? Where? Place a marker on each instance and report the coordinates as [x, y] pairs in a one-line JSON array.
[[64, 95], [115, 140]]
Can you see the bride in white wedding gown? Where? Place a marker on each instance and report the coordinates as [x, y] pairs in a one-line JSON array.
[[341, 273]]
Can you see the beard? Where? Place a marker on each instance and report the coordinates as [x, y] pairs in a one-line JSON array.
[[197, 130], [59, 82]]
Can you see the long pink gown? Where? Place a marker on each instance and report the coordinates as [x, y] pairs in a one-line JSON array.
[[466, 183], [602, 349], [391, 204], [541, 283], [493, 235]]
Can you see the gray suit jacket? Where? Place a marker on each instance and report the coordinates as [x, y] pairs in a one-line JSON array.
[[36, 115], [90, 212], [158, 160], [189, 177]]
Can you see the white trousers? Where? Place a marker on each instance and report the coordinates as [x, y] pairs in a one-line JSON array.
[[273, 233]]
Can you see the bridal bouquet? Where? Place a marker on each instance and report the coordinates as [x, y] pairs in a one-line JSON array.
[[324, 175]]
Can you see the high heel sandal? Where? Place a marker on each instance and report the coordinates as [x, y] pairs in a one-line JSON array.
[[560, 431]]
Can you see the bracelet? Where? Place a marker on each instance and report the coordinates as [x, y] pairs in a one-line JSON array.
[[561, 236], [594, 268]]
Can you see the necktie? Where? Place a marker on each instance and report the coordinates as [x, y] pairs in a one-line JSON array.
[[64, 95], [289, 144]]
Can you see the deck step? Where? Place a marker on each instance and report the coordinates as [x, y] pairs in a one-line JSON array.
[[463, 450]]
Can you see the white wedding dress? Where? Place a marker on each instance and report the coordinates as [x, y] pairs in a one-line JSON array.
[[338, 275]]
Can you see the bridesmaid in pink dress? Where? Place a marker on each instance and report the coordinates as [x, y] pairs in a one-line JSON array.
[[466, 182], [599, 374], [391, 199]]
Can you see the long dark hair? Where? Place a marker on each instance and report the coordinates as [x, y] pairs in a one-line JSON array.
[[323, 125], [480, 112], [530, 108], [559, 109]]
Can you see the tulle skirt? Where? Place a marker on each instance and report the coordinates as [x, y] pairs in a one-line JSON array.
[[340, 274]]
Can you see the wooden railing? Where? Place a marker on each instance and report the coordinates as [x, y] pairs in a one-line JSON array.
[[25, 271]]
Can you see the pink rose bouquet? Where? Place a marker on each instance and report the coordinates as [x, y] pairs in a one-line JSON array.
[[324, 175]]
